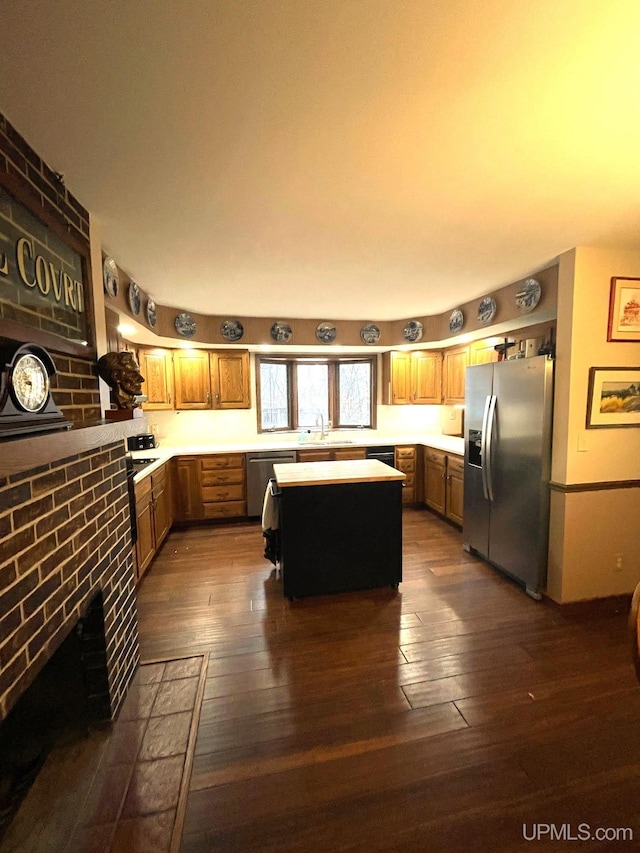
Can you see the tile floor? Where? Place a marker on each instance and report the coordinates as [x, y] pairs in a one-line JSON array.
[[139, 769]]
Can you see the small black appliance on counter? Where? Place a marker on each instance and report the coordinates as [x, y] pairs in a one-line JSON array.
[[146, 441]]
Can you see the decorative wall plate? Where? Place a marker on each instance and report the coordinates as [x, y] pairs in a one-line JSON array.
[[134, 298], [326, 333], [528, 295], [151, 312], [486, 310], [185, 325], [281, 333], [412, 332], [456, 321], [232, 330], [110, 277], [370, 334]]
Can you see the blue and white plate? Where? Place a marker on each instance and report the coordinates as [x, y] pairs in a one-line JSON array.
[[486, 310], [456, 321], [370, 334], [232, 330], [326, 333], [281, 333], [185, 325], [134, 298], [412, 332], [151, 312], [110, 277], [528, 295]]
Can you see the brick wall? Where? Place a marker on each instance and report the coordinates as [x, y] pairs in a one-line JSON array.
[[18, 158], [64, 538], [75, 389]]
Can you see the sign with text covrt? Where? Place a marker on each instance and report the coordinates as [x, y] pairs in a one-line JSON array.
[[41, 278]]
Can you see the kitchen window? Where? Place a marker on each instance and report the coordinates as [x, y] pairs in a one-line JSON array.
[[307, 393]]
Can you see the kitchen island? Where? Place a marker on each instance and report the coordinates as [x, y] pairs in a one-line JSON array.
[[340, 526]]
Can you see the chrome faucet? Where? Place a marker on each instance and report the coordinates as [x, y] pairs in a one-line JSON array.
[[320, 418]]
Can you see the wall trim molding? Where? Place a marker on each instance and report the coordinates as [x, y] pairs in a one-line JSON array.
[[604, 486]]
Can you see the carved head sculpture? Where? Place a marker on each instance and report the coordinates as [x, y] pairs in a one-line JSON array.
[[121, 373]]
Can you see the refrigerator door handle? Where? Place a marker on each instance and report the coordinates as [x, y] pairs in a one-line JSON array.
[[491, 414], [484, 448]]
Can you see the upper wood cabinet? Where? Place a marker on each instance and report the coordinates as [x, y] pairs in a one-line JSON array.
[[229, 371], [156, 365], [195, 379], [482, 352], [426, 377], [412, 377], [193, 383], [454, 369]]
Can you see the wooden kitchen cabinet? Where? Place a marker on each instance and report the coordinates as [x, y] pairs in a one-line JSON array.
[[426, 377], [412, 377], [444, 483], [454, 369], [145, 545], [405, 461], [435, 467], [223, 483], [454, 498], [156, 365], [396, 378], [332, 454], [229, 371], [344, 454], [154, 515], [212, 379], [188, 504], [483, 352], [192, 380], [161, 482]]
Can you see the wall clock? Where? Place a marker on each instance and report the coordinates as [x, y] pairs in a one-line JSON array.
[[26, 405]]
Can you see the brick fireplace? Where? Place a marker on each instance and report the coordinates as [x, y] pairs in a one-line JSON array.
[[65, 558]]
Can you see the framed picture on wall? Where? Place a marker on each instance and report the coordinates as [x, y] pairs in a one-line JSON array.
[[613, 399], [624, 310]]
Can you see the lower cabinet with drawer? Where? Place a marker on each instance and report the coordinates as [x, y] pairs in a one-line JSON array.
[[224, 485], [444, 483], [154, 515], [211, 487], [405, 461], [332, 454]]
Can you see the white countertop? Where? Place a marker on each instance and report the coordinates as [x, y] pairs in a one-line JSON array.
[[448, 443]]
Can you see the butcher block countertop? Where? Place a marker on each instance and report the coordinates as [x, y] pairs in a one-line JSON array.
[[333, 473]]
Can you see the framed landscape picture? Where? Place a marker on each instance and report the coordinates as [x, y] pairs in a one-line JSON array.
[[624, 310], [613, 399]]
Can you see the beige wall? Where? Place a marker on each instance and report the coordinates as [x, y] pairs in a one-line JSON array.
[[590, 528]]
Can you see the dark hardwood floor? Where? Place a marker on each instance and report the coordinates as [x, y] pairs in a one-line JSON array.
[[456, 714]]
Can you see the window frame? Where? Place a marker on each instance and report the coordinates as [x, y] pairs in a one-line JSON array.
[[333, 363]]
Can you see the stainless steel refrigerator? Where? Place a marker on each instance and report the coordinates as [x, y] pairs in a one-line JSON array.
[[508, 414]]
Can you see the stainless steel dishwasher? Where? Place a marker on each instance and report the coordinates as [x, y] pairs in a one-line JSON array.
[[259, 470]]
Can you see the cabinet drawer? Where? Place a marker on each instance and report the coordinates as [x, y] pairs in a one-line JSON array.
[[222, 493], [455, 465], [143, 489], [224, 460], [223, 477], [406, 465], [159, 478], [405, 453], [225, 509], [436, 457]]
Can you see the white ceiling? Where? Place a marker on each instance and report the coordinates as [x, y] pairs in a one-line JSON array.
[[335, 159]]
